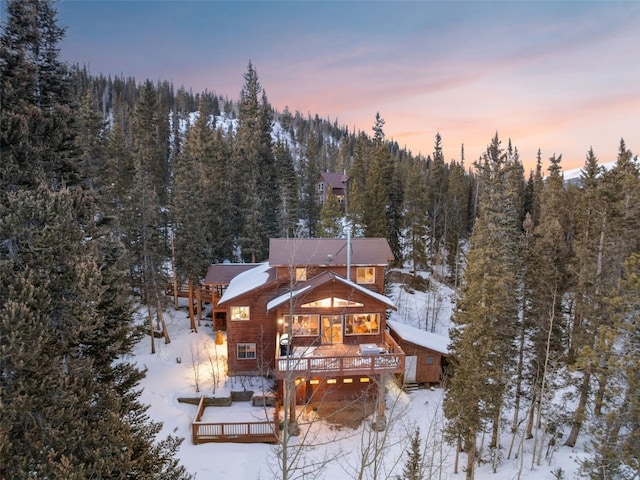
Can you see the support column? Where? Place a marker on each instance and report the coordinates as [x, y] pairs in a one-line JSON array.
[[380, 423], [290, 398]]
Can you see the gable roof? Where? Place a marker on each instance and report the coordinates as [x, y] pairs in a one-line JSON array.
[[336, 180], [248, 281], [223, 273], [322, 279], [421, 338], [328, 251]]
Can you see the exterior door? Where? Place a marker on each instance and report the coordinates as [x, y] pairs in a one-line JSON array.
[[331, 329], [410, 364]]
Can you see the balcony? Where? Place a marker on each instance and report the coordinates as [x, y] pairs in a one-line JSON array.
[[342, 360]]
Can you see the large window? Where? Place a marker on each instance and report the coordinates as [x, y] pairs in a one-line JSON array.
[[239, 313], [302, 325], [246, 351], [362, 324], [366, 275]]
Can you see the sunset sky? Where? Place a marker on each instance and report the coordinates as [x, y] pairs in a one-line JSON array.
[[559, 76]]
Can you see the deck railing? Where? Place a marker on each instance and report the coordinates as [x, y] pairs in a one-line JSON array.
[[238, 432], [339, 365]]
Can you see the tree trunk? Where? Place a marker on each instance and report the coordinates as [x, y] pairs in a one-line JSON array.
[[151, 331], [176, 299], [471, 455], [580, 413], [199, 300], [165, 331], [191, 316]]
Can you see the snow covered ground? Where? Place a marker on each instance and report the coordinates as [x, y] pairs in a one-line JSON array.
[[194, 358]]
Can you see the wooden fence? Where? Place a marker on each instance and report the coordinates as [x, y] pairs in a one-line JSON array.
[[238, 432]]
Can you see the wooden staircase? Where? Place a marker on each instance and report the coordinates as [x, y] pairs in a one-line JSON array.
[[410, 387]]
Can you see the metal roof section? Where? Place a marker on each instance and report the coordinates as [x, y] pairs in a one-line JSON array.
[[329, 251], [223, 273]]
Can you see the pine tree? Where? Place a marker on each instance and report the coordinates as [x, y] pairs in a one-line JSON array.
[[330, 225], [615, 228], [147, 230], [61, 302], [310, 169], [376, 196], [37, 131], [458, 198], [616, 433], [395, 213], [486, 315], [436, 197], [413, 467], [288, 185], [358, 181], [190, 184], [254, 172], [551, 255], [416, 216]]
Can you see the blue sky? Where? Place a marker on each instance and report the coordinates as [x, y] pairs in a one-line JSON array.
[[559, 76]]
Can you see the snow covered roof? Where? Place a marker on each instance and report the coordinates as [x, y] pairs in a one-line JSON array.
[[321, 279], [247, 281], [329, 251], [432, 341]]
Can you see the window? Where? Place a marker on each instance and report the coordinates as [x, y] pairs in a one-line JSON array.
[[302, 325], [239, 313], [332, 302], [362, 324], [301, 274], [428, 360], [366, 275], [341, 302], [246, 351], [321, 186], [322, 303]]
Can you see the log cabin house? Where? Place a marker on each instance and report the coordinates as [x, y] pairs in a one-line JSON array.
[[314, 318]]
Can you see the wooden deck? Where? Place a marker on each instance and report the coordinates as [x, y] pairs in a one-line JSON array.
[[340, 360], [235, 432], [183, 292]]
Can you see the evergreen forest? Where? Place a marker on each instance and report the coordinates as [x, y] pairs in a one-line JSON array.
[[105, 179]]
